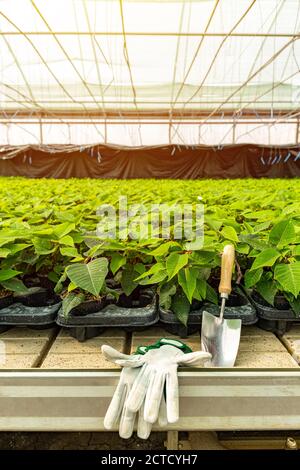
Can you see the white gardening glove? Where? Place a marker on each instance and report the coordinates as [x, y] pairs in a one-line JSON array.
[[159, 372], [117, 409]]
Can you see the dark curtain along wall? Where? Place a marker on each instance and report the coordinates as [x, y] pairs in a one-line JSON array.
[[101, 161]]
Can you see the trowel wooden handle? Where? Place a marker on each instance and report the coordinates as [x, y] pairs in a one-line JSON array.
[[226, 269]]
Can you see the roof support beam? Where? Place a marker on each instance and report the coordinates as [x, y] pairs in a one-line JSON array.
[[141, 114], [148, 33]]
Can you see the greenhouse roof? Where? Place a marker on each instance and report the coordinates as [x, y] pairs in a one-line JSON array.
[[171, 60]]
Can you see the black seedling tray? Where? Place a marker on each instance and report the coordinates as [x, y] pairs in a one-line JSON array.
[[35, 297], [278, 321], [18, 314], [36, 308], [237, 307], [173, 326], [89, 325]]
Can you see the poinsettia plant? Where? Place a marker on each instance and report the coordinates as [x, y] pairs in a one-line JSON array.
[[181, 275], [81, 281], [276, 265]]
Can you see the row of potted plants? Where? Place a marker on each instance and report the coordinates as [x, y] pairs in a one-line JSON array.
[[48, 245], [108, 271]]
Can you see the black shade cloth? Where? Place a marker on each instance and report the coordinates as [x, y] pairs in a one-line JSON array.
[[101, 161]]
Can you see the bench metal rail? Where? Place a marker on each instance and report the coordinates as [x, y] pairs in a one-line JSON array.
[[210, 399]]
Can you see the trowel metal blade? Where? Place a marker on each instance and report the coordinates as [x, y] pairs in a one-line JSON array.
[[221, 339]]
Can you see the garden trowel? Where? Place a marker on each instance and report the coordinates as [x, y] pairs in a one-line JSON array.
[[219, 337]]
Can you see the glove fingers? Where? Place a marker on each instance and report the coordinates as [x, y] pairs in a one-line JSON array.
[[126, 423], [113, 355], [172, 396], [198, 358], [127, 420], [132, 362], [143, 428], [139, 389], [162, 414], [115, 407], [153, 396]]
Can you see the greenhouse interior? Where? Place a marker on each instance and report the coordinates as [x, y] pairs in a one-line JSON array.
[[149, 226]]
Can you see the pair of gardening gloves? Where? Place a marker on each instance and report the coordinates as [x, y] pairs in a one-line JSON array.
[[148, 385]]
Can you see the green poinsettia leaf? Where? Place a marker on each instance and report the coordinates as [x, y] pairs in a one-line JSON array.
[[165, 295], [6, 274], [89, 277], [175, 262], [229, 233], [252, 277], [187, 279], [181, 307], [117, 261], [283, 233], [71, 301], [267, 257], [288, 275], [14, 285], [267, 289], [128, 282]]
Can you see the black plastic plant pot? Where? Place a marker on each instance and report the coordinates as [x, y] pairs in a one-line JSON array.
[[83, 325], [87, 308], [37, 297], [277, 319], [173, 326], [18, 314], [237, 306]]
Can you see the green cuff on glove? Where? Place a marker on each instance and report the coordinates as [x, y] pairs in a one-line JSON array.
[[162, 342]]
